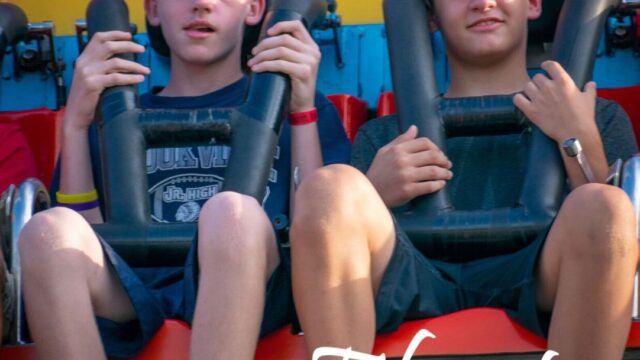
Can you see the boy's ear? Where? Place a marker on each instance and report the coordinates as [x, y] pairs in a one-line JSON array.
[[151, 10], [256, 12], [535, 9]]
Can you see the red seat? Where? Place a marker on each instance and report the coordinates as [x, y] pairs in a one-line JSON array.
[[352, 111], [475, 331], [629, 99], [42, 128], [171, 342], [386, 104]]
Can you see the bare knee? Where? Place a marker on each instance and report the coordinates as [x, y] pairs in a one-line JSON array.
[[604, 223], [337, 199], [338, 191], [48, 234], [234, 230]]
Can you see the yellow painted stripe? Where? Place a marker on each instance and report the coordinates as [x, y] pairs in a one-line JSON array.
[[360, 11], [64, 13]]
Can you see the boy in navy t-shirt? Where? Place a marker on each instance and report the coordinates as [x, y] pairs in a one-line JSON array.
[[235, 284], [573, 282]]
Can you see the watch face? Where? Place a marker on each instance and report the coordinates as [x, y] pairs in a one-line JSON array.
[[572, 147]]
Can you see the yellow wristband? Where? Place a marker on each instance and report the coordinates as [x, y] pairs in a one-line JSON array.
[[77, 198]]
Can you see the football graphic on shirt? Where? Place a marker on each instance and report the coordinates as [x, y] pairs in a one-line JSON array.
[[188, 212]]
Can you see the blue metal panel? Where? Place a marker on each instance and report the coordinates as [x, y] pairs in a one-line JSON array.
[[32, 90], [366, 72], [620, 70]]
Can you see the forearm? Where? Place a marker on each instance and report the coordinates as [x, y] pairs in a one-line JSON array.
[[305, 146], [76, 175], [306, 154]]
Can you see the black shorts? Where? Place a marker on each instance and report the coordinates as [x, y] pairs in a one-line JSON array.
[[415, 287], [158, 294]]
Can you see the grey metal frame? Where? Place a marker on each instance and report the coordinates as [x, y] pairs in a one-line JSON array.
[[631, 185], [30, 197]]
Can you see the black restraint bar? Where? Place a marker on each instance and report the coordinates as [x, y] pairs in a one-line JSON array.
[[13, 26], [126, 132], [432, 224]]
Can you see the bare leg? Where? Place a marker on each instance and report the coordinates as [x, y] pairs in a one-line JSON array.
[[66, 281], [342, 240], [237, 253], [586, 274]]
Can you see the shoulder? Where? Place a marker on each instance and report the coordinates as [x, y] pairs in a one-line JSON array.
[[610, 115], [615, 129], [603, 104], [608, 110]]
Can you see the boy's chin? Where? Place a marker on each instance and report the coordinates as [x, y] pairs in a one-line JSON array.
[[201, 57], [486, 55]]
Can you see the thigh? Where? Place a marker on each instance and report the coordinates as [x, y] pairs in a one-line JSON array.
[[108, 296], [58, 241]]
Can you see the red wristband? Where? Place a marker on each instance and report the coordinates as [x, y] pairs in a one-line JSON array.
[[304, 117]]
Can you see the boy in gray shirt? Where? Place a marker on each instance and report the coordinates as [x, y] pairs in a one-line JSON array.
[[352, 261]]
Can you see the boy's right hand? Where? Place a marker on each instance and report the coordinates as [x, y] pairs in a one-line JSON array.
[[97, 69], [408, 167]]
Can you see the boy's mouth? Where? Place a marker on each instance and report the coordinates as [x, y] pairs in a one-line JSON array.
[[485, 22], [200, 26]]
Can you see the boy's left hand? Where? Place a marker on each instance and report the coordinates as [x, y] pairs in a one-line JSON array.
[[557, 106], [290, 50]]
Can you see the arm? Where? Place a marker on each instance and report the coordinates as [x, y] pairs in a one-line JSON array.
[[292, 51], [561, 111], [96, 69], [616, 131]]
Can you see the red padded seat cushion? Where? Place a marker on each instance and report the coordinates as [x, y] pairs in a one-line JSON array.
[[352, 111], [42, 129]]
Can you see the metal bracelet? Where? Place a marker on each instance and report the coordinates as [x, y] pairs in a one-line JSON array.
[[573, 148]]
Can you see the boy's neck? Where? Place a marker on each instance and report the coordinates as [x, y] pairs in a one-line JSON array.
[[497, 78], [195, 80]]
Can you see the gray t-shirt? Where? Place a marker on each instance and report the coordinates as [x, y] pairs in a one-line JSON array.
[[489, 170]]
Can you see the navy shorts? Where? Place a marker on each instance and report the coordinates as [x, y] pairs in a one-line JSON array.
[[158, 294], [415, 287]]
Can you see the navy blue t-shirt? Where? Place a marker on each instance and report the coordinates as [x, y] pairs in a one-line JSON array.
[[182, 179]]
